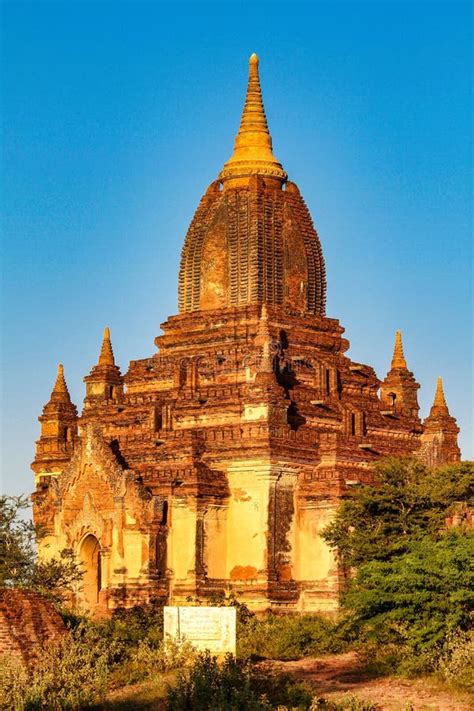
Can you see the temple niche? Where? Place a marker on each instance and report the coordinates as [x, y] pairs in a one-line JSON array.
[[214, 464]]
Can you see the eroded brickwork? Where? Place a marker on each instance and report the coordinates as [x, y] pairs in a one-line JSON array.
[[28, 623]]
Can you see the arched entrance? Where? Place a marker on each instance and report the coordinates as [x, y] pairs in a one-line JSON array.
[[89, 555]]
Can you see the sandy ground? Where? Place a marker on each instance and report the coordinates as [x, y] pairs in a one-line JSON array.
[[342, 675]]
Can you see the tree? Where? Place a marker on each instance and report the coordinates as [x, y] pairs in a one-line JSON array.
[[407, 501], [412, 579], [416, 600], [19, 566]]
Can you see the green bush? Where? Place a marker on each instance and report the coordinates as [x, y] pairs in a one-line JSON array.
[[289, 637], [146, 660], [234, 686], [416, 600], [13, 682], [70, 674], [128, 627], [456, 661]]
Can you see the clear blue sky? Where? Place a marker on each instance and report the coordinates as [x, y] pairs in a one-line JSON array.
[[118, 115]]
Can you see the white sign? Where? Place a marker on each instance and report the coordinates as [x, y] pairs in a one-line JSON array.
[[212, 628]]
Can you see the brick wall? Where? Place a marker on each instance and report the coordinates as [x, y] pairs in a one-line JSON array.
[[28, 622]]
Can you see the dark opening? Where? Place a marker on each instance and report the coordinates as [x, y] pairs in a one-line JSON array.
[[158, 418], [328, 381], [164, 514]]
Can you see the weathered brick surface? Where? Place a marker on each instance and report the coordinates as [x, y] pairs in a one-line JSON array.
[[28, 623]]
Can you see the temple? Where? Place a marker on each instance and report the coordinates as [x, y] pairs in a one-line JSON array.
[[214, 464]]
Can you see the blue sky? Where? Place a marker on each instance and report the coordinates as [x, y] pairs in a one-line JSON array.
[[116, 117]]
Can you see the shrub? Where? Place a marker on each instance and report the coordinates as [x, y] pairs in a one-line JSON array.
[[13, 682], [456, 661], [130, 626], [70, 675], [346, 703], [146, 660], [233, 686], [289, 637]]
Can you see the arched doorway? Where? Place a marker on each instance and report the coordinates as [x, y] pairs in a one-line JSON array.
[[89, 555]]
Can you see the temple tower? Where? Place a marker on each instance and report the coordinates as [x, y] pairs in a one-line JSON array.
[[439, 441], [398, 391], [252, 239], [105, 381], [58, 431]]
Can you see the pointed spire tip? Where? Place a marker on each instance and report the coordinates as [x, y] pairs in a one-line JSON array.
[[398, 358], [106, 356], [439, 399], [253, 153], [60, 387]]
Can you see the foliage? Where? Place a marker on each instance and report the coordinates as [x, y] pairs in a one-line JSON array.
[[131, 626], [13, 682], [77, 671], [17, 541], [456, 661], [418, 598], [413, 581], [146, 660], [55, 578], [289, 637], [407, 502], [233, 686], [346, 703], [70, 674]]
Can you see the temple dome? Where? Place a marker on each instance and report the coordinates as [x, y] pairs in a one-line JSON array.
[[252, 239]]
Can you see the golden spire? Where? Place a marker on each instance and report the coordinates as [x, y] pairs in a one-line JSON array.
[[398, 359], [253, 144], [106, 353], [439, 402], [60, 392], [60, 384]]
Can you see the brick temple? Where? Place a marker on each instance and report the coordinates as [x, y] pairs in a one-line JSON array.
[[214, 464]]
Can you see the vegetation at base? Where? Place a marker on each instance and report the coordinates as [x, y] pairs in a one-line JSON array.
[[408, 608], [19, 567], [412, 582], [289, 637], [234, 685]]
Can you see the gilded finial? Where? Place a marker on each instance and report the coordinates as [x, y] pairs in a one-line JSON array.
[[60, 384], [398, 359], [60, 391], [106, 353], [253, 153], [439, 401]]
